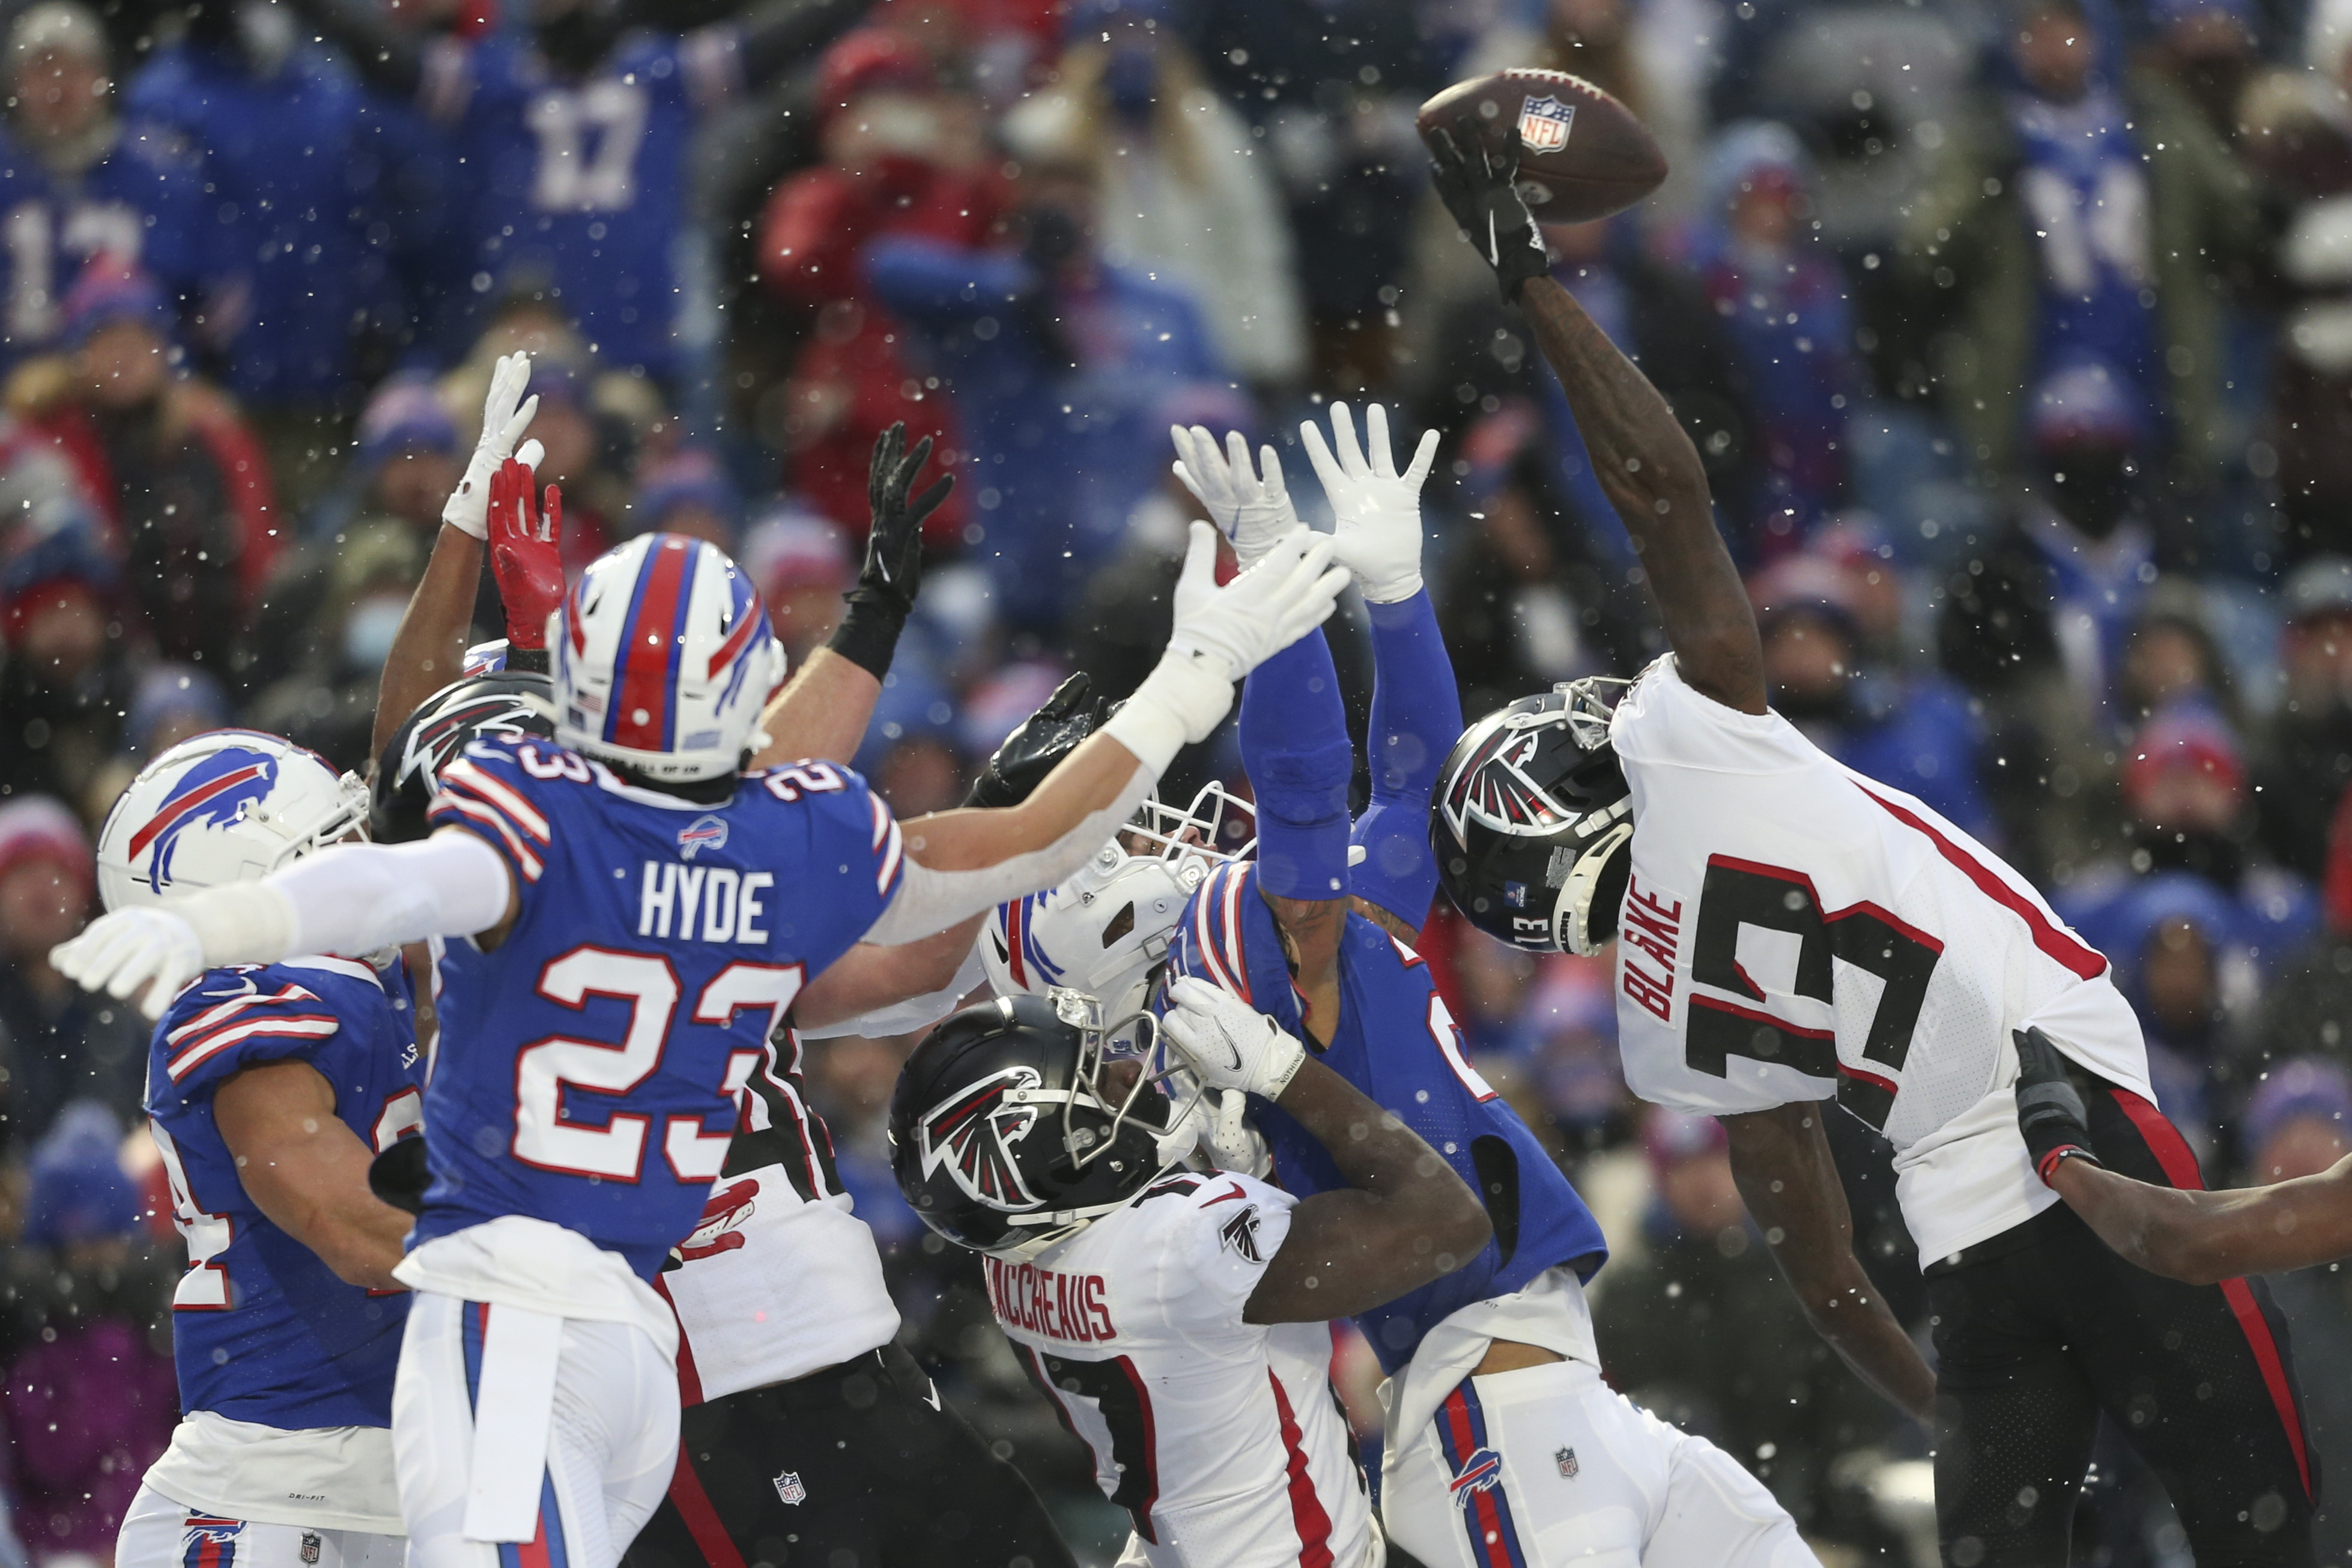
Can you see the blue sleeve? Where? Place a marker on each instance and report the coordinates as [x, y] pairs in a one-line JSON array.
[[851, 866], [233, 1019], [938, 283], [1416, 718], [486, 793], [1294, 743]]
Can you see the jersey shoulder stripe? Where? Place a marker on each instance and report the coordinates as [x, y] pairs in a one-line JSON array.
[[1217, 930], [453, 808], [295, 1026], [477, 780], [2056, 943], [889, 848]]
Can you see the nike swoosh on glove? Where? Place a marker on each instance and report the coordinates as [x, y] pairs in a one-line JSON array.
[[1482, 192], [1227, 1043], [1253, 510], [1378, 509], [506, 415]]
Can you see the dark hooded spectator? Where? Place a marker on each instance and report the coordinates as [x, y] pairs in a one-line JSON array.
[[893, 166], [1699, 1332], [183, 490], [62, 1043], [2187, 958], [84, 1338], [2308, 761], [79, 180], [63, 686], [2205, 50], [2016, 252]]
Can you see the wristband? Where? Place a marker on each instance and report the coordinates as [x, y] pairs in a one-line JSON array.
[[868, 633], [2047, 1166], [243, 923], [527, 661], [1179, 702]]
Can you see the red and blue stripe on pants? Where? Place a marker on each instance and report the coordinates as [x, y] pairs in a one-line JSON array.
[[545, 1547], [1477, 1484]]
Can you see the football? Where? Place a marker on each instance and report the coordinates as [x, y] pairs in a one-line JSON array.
[[1582, 153]]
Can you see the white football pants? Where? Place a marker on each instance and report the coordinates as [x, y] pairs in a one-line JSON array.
[[528, 1441], [1549, 1465], [160, 1533]]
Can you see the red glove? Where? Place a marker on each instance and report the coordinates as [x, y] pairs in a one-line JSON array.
[[525, 556]]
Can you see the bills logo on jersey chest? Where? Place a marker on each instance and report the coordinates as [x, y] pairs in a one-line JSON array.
[[703, 832]]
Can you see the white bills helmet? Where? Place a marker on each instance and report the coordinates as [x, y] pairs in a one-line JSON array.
[[1105, 931], [664, 659], [227, 806]]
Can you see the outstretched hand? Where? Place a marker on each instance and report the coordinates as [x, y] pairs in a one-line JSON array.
[[506, 415], [526, 555], [893, 571], [1043, 740], [1250, 510], [1481, 189], [1378, 509]]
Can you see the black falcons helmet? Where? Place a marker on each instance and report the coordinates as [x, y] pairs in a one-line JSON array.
[[1530, 820], [1006, 1140], [509, 702]]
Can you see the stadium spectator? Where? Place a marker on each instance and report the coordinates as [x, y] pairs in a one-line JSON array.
[[688, 492], [2020, 248], [801, 564], [892, 166], [1062, 363], [183, 491], [84, 1337], [63, 1044], [340, 633], [1186, 195], [81, 182], [2308, 760], [67, 677]]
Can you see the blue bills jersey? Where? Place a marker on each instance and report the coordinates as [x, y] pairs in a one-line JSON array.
[[1397, 1043], [588, 1065], [581, 184], [261, 1330]]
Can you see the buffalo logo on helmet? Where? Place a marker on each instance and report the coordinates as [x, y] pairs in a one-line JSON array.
[[214, 793], [1481, 1471], [702, 833], [1494, 788], [971, 1134], [1544, 124]]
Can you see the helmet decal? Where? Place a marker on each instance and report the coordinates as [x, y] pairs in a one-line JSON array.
[[1494, 788], [215, 792], [970, 1134], [641, 714]]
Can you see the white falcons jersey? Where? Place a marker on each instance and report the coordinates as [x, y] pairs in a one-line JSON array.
[[1794, 931], [1223, 1439]]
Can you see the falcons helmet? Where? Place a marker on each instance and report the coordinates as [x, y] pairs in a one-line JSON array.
[[227, 806], [408, 774], [1008, 1134], [1531, 819]]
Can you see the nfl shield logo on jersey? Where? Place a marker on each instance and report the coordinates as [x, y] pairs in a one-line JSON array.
[[309, 1547], [703, 832], [1565, 1458], [789, 1488], [1482, 1471], [1544, 122]]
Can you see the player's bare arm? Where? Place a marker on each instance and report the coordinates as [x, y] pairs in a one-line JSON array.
[[1640, 453], [308, 1171], [867, 977], [1408, 1218], [1782, 1160]]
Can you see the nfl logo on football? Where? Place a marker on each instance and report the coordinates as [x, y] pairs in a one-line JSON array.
[[789, 1488], [1544, 122]]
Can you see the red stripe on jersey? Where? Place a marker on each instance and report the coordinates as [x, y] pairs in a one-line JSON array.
[[689, 1377], [1234, 957], [220, 1012], [452, 802], [693, 1504], [307, 1026], [1867, 1076], [487, 786], [1150, 1442], [643, 685], [180, 808], [1750, 1015], [1306, 1515], [2060, 944], [2179, 1163], [1012, 913], [532, 1553]]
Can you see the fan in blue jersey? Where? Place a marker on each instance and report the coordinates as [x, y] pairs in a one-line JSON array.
[[639, 913], [574, 135], [269, 1089], [75, 181], [1494, 1374]]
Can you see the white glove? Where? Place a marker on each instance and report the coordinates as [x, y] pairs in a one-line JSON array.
[[1230, 1142], [506, 413], [165, 948], [1251, 511], [1227, 1043], [1377, 508]]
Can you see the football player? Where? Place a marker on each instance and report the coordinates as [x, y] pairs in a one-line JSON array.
[[1175, 1320], [1791, 933], [1504, 1447], [2178, 1230], [269, 1091], [640, 913]]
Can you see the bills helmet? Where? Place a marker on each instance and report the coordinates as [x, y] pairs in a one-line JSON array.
[[227, 806], [407, 776], [1008, 1134], [664, 659], [1104, 932], [1531, 820]]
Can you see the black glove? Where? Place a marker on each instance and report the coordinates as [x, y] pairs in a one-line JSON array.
[[893, 573], [2048, 1107], [1044, 737], [398, 1175], [1482, 193]]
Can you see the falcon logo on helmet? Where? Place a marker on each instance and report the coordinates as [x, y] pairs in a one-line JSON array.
[[511, 703], [226, 806], [971, 1134]]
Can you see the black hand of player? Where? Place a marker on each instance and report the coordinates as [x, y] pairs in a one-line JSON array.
[[2050, 1109], [893, 573], [1044, 737], [1482, 192], [398, 1175]]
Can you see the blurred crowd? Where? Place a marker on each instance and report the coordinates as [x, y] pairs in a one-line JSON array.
[[2016, 336]]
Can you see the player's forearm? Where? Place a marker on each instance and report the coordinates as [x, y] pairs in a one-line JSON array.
[[822, 712], [867, 978], [1294, 747], [2204, 1238], [1376, 1153], [306, 1170], [1416, 718], [429, 651], [1651, 472]]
